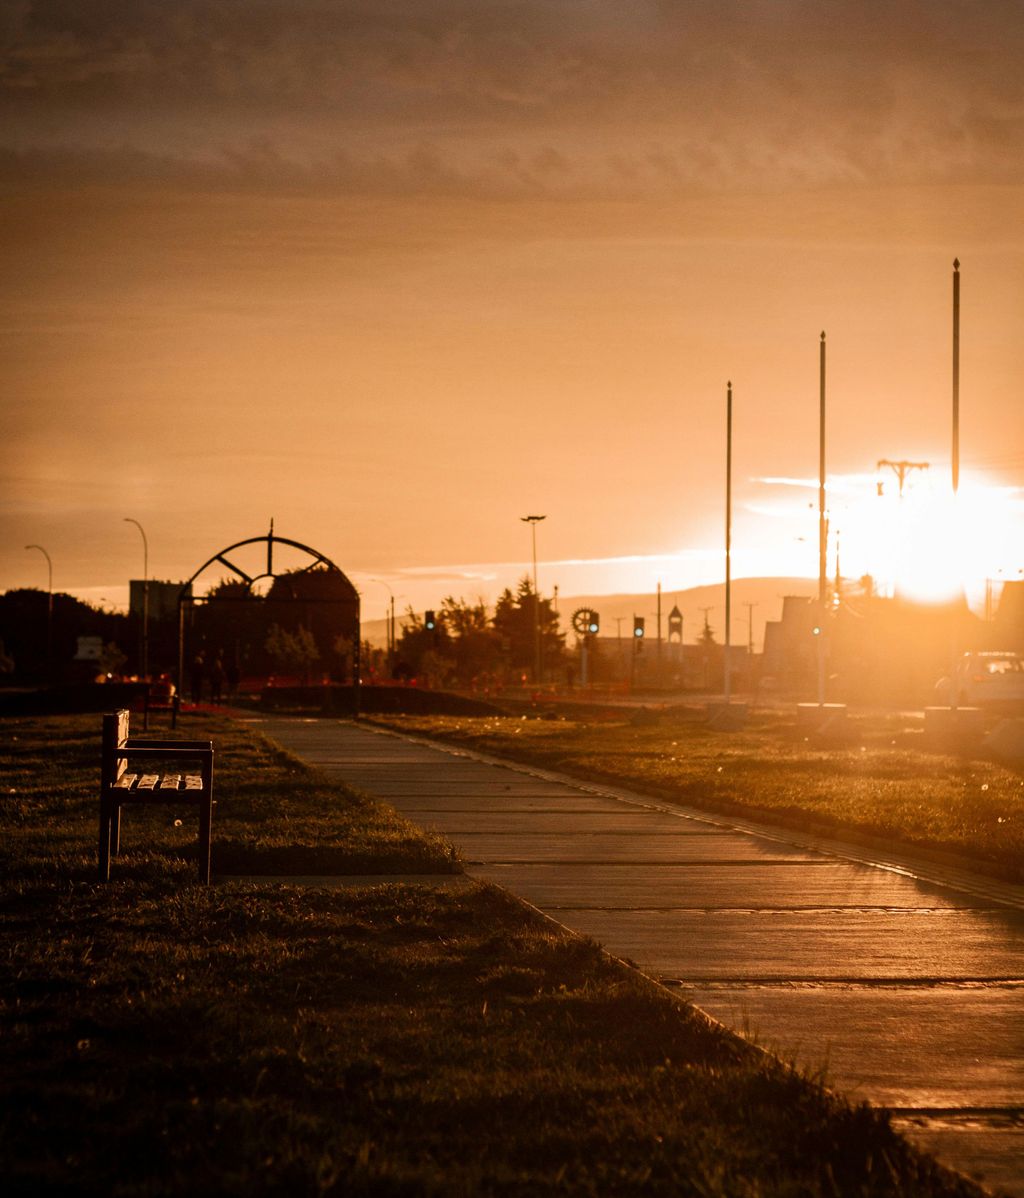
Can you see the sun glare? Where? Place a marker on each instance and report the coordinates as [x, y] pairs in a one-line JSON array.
[[930, 564], [929, 545]]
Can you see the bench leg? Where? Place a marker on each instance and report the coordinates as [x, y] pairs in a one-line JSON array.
[[205, 836], [104, 863], [115, 830]]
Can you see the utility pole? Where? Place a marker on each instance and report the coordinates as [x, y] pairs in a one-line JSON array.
[[706, 637], [901, 469], [707, 626], [389, 625], [750, 626], [750, 645], [632, 659], [658, 657]]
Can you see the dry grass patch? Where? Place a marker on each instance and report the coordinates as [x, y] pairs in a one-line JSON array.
[[274, 815]]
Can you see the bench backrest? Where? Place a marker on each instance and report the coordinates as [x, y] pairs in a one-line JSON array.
[[115, 734]]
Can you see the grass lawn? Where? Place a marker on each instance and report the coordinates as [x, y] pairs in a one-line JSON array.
[[883, 782], [162, 1038], [272, 815]]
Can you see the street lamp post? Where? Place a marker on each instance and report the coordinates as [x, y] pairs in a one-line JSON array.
[[533, 521], [49, 608], [145, 596]]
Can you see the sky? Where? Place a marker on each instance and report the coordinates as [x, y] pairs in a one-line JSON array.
[[397, 274]]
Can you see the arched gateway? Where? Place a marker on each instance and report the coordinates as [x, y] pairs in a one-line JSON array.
[[316, 598]]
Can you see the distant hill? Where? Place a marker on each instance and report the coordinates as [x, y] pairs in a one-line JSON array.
[[765, 593]]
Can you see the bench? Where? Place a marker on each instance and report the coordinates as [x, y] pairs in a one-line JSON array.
[[188, 779], [160, 696]]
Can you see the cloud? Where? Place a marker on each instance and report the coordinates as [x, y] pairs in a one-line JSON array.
[[538, 97]]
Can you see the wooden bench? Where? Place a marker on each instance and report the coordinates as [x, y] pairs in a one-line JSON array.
[[188, 779], [160, 696]]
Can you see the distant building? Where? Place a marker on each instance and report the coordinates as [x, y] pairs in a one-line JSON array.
[[789, 646], [163, 599]]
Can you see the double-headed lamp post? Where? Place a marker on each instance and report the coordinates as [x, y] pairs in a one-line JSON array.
[[533, 521], [49, 606], [145, 596]]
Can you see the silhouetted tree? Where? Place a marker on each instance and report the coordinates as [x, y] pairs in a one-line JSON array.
[[232, 622], [417, 641], [23, 622], [474, 644], [514, 621], [294, 652], [317, 606], [467, 647]]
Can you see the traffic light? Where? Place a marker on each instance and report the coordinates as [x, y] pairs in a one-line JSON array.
[[638, 627], [429, 623], [594, 624]]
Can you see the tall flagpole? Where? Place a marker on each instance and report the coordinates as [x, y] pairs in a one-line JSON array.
[[822, 525], [954, 655], [956, 375], [728, 541]]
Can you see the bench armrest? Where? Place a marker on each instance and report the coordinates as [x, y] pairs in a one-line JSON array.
[[146, 751], [140, 742]]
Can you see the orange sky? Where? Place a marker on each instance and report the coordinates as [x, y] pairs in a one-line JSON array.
[[396, 274]]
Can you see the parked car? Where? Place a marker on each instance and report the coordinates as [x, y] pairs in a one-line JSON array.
[[984, 678]]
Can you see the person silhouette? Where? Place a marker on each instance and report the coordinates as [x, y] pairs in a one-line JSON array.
[[196, 673], [217, 679]]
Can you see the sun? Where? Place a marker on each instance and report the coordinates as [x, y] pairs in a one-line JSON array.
[[931, 564], [931, 546]]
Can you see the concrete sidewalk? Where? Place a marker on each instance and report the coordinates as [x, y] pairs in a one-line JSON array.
[[905, 983]]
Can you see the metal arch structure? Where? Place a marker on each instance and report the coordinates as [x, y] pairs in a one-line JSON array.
[[270, 539], [186, 598]]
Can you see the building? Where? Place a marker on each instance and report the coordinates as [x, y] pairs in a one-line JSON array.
[[163, 599]]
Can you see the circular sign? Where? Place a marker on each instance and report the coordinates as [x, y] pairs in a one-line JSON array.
[[585, 621]]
